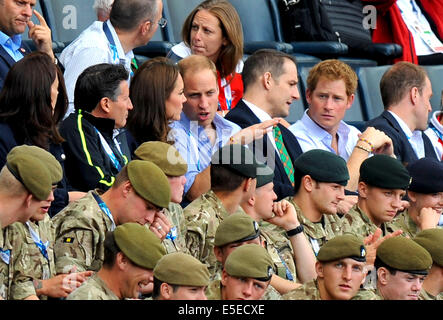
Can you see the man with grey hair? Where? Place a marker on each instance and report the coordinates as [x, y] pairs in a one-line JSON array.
[[131, 24], [103, 9]]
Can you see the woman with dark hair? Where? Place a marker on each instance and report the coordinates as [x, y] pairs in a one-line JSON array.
[[32, 103], [213, 29], [156, 93]]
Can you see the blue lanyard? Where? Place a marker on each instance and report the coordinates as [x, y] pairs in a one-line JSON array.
[[105, 209], [289, 275], [5, 255], [438, 133], [172, 234], [109, 151], [43, 247], [113, 47]]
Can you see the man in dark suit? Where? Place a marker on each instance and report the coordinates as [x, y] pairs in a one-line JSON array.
[[270, 86], [14, 17], [406, 90]]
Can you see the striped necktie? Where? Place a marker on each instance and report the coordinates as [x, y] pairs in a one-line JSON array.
[[284, 156]]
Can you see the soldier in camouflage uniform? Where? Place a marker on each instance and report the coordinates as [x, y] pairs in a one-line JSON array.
[[383, 181], [246, 275], [139, 194], [26, 188], [180, 276], [233, 180], [425, 195], [320, 178], [131, 253], [167, 158], [431, 240], [401, 265], [281, 218], [340, 271]]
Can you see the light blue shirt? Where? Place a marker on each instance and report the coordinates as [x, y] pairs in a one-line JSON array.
[[311, 136], [194, 146], [12, 45], [91, 47]]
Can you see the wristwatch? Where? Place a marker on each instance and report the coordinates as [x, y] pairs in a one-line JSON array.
[[295, 231]]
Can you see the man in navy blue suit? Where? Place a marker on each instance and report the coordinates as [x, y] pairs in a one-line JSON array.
[[15, 15], [406, 90], [270, 86]]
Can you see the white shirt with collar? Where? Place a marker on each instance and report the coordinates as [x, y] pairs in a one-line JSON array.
[[415, 138], [311, 136], [91, 47], [262, 116]]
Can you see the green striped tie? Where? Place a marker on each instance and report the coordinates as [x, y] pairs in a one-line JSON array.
[[284, 156]]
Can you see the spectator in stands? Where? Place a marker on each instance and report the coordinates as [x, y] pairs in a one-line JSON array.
[[330, 93], [213, 29], [132, 23], [435, 131], [32, 104], [103, 9], [270, 81], [157, 95], [95, 150], [14, 17], [200, 132], [406, 91], [399, 21]]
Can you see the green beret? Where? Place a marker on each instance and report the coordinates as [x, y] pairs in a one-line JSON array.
[[340, 247], [149, 182], [164, 155], [427, 176], [250, 261], [35, 168], [265, 175], [432, 240], [384, 172], [139, 244], [238, 227], [182, 269], [405, 255], [323, 166], [237, 158]]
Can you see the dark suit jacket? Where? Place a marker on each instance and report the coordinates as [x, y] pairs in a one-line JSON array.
[[6, 61], [402, 148], [244, 117]]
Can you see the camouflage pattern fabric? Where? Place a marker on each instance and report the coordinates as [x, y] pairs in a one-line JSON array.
[[424, 295], [93, 288], [318, 233], [80, 231], [364, 294], [358, 223], [5, 268], [203, 216], [404, 222], [29, 262], [308, 291], [175, 240]]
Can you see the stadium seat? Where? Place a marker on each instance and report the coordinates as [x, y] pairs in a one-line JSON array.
[[176, 12], [435, 74], [297, 108]]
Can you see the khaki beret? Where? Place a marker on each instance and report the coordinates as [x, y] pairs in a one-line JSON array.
[[238, 159], [427, 176], [323, 166], [139, 244], [149, 182], [405, 255], [164, 155], [182, 269], [250, 261], [384, 172], [237, 227], [265, 175], [35, 168], [432, 241], [340, 247]]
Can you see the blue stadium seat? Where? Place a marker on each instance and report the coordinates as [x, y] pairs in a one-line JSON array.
[[176, 11], [435, 74], [369, 88], [297, 108]]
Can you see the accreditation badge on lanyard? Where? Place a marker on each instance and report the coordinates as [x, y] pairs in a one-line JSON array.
[[5, 255], [315, 245]]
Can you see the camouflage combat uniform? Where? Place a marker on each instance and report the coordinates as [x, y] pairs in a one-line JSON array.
[[308, 291], [371, 294], [318, 233], [80, 231], [424, 295], [175, 240], [404, 222], [29, 262], [5, 268], [203, 216], [358, 223], [93, 288]]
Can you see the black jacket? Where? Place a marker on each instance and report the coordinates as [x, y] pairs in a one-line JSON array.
[[88, 166]]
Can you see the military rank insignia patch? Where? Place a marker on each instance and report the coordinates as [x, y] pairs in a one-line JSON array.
[[68, 240]]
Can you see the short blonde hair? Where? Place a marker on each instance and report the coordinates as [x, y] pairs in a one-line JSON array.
[[9, 185], [194, 64]]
